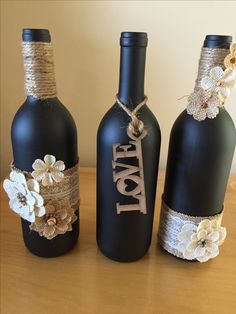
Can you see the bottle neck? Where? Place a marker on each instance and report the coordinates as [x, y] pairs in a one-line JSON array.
[[132, 70], [210, 58], [40, 80]]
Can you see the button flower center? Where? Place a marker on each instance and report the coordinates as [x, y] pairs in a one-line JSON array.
[[52, 221], [202, 242], [220, 84], [49, 169], [233, 60], [204, 104], [22, 198]]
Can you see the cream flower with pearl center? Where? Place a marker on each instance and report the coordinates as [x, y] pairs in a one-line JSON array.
[[24, 196]]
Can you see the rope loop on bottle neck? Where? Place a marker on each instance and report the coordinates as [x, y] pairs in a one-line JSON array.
[[136, 126]]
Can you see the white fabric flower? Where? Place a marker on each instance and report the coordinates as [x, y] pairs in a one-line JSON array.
[[202, 242], [184, 236], [203, 104], [24, 196], [48, 170], [219, 81]]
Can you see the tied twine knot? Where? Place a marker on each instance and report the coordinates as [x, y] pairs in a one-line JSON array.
[[136, 126]]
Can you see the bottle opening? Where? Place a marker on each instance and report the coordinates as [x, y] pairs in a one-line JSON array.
[[35, 34], [136, 39], [217, 41]]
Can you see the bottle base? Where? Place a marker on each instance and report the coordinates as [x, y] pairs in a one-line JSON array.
[[42, 247], [58, 254], [122, 259]]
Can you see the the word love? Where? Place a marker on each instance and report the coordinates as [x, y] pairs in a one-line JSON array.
[[130, 173]]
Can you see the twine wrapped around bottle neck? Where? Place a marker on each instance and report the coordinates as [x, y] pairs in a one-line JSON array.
[[39, 70], [210, 58]]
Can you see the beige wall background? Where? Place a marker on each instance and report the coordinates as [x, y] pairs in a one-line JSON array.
[[86, 34]]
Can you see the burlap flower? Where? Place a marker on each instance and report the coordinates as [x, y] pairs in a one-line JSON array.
[[230, 59], [58, 219], [219, 81], [203, 104], [48, 170]]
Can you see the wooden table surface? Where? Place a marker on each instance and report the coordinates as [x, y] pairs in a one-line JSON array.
[[84, 281]]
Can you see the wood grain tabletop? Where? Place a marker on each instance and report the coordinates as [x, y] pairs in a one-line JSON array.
[[84, 281]]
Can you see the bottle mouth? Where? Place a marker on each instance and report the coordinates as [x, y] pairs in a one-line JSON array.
[[217, 41], [133, 39], [36, 34]]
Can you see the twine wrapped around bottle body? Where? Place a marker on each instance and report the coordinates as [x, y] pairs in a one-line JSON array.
[[187, 236], [39, 71]]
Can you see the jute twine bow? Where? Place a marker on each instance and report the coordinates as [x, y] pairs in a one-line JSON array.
[[136, 126]]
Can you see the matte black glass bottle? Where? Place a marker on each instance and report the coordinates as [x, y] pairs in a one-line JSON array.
[[41, 127], [200, 156], [126, 236]]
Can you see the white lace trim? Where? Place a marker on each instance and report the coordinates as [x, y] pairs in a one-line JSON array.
[[171, 224]]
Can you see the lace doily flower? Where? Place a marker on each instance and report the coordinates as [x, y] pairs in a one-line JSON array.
[[24, 196], [48, 170], [202, 242], [219, 81], [58, 219], [230, 59], [203, 104]]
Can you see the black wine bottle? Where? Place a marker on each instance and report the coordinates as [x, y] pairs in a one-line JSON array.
[[201, 149], [44, 127], [127, 164]]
